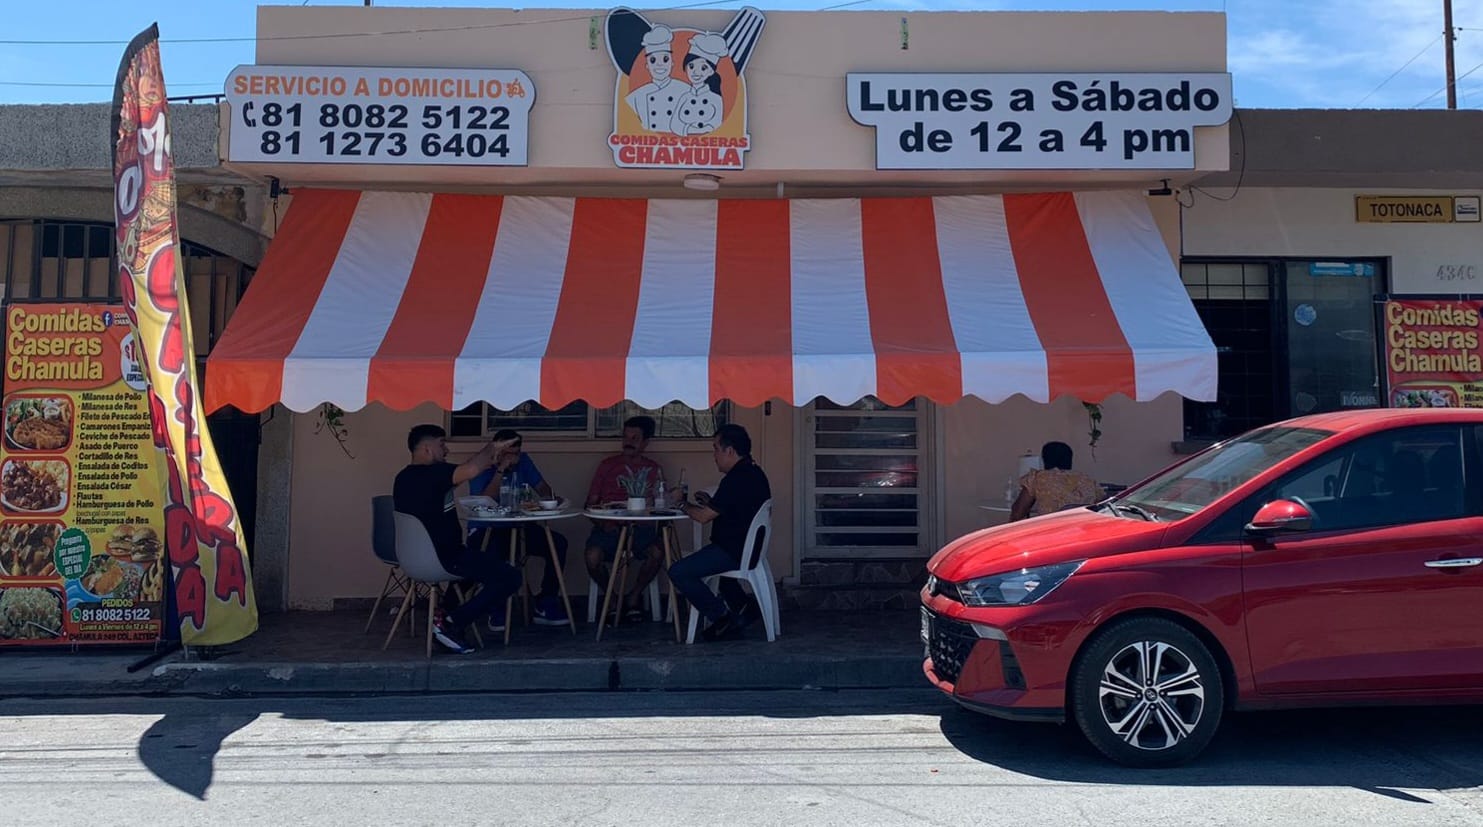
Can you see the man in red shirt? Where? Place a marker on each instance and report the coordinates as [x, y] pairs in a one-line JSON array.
[[602, 544]]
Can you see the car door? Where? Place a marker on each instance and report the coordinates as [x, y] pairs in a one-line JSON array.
[[1383, 593]]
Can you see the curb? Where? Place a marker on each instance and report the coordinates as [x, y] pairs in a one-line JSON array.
[[446, 675]]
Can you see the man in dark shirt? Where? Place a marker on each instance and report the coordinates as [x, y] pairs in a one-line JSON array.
[[730, 511], [425, 489]]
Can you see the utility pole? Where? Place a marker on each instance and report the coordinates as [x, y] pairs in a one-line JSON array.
[[1448, 37]]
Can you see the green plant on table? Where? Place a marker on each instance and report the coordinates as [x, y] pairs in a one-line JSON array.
[[636, 483]]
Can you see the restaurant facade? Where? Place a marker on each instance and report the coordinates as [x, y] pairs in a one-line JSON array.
[[902, 251]]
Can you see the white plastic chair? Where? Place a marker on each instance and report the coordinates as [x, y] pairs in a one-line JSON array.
[[419, 561], [757, 574]]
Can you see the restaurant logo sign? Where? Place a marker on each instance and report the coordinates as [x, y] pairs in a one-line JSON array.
[[1037, 121], [681, 97]]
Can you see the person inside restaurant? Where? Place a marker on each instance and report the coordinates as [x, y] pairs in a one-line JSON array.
[[1055, 486], [514, 468], [729, 512], [426, 489], [608, 486]]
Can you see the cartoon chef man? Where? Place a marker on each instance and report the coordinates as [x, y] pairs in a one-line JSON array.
[[699, 109], [654, 102]]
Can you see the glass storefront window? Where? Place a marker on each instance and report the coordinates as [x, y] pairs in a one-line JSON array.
[[1330, 322]]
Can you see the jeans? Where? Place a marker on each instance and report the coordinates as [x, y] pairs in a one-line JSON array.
[[689, 573], [535, 546], [498, 578]]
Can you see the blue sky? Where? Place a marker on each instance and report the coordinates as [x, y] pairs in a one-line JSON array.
[[1282, 53]]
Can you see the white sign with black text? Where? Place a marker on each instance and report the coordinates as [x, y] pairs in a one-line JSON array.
[[357, 115], [1037, 121]]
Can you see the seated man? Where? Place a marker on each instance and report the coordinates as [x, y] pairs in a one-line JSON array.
[[741, 494], [516, 467], [602, 544], [425, 489]]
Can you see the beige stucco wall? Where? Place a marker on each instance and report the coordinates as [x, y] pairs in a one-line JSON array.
[[1320, 223], [801, 132]]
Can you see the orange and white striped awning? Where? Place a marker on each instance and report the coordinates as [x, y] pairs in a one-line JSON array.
[[404, 298]]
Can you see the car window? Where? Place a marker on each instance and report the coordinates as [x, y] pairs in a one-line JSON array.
[[1409, 475], [1196, 483]]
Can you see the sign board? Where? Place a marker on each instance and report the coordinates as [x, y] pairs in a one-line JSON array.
[[1432, 354], [680, 101], [1416, 209], [345, 115], [81, 517], [1037, 121]]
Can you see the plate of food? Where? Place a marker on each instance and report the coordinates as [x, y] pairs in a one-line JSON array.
[[26, 549], [30, 613], [38, 423], [477, 502], [34, 486]]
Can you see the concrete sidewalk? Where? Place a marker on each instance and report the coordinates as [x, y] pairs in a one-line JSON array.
[[326, 653]]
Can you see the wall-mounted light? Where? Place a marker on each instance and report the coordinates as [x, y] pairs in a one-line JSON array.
[[703, 182]]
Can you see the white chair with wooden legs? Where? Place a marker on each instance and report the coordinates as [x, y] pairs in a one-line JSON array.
[[419, 561], [755, 572]]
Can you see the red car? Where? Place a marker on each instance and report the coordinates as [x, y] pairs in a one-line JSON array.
[[1323, 561]]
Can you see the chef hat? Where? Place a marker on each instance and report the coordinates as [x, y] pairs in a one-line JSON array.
[[657, 39], [712, 47]]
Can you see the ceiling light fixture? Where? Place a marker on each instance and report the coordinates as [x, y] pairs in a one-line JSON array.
[[703, 182]]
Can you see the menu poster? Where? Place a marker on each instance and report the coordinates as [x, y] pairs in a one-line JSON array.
[[1432, 354], [80, 486]]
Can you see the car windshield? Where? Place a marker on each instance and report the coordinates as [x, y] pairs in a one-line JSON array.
[[1190, 486]]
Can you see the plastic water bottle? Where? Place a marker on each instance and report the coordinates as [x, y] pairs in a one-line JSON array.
[[506, 494], [659, 500], [684, 489]]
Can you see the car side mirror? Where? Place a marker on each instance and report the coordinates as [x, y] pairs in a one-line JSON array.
[[1280, 517]]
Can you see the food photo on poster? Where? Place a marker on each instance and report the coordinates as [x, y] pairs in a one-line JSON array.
[[81, 560]]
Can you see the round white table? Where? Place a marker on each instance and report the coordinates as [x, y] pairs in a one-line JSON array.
[[519, 553], [666, 520]]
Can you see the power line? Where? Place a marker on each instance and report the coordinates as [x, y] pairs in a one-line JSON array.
[[341, 35], [86, 85], [1392, 77], [1444, 88]]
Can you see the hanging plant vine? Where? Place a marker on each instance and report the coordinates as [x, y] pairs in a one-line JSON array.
[[332, 419], [1094, 423]]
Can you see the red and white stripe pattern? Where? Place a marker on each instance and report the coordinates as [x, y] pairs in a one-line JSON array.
[[406, 298]]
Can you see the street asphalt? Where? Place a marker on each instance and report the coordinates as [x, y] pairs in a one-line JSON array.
[[856, 757]]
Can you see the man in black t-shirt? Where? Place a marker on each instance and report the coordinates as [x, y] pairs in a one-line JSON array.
[[426, 489], [730, 511]]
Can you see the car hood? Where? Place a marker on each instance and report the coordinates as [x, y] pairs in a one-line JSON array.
[[1054, 538]]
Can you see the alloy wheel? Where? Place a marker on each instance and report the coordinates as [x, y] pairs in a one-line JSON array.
[[1151, 695]]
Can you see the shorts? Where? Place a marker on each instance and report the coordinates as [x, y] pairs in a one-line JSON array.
[[643, 538]]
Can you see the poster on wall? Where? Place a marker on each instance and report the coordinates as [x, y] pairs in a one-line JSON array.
[[681, 95], [81, 516], [1432, 354]]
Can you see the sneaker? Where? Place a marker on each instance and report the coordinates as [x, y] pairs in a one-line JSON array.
[[724, 629], [550, 613], [450, 640], [496, 621]]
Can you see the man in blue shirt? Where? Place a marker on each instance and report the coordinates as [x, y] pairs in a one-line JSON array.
[[514, 466]]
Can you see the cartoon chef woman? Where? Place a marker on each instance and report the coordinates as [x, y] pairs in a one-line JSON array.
[[654, 102], [699, 109]]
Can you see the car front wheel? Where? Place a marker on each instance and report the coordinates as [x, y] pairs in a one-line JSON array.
[[1147, 692]]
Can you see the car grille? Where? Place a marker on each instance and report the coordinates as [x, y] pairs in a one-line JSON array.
[[948, 646]]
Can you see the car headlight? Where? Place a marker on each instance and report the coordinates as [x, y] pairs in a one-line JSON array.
[[1016, 588]]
